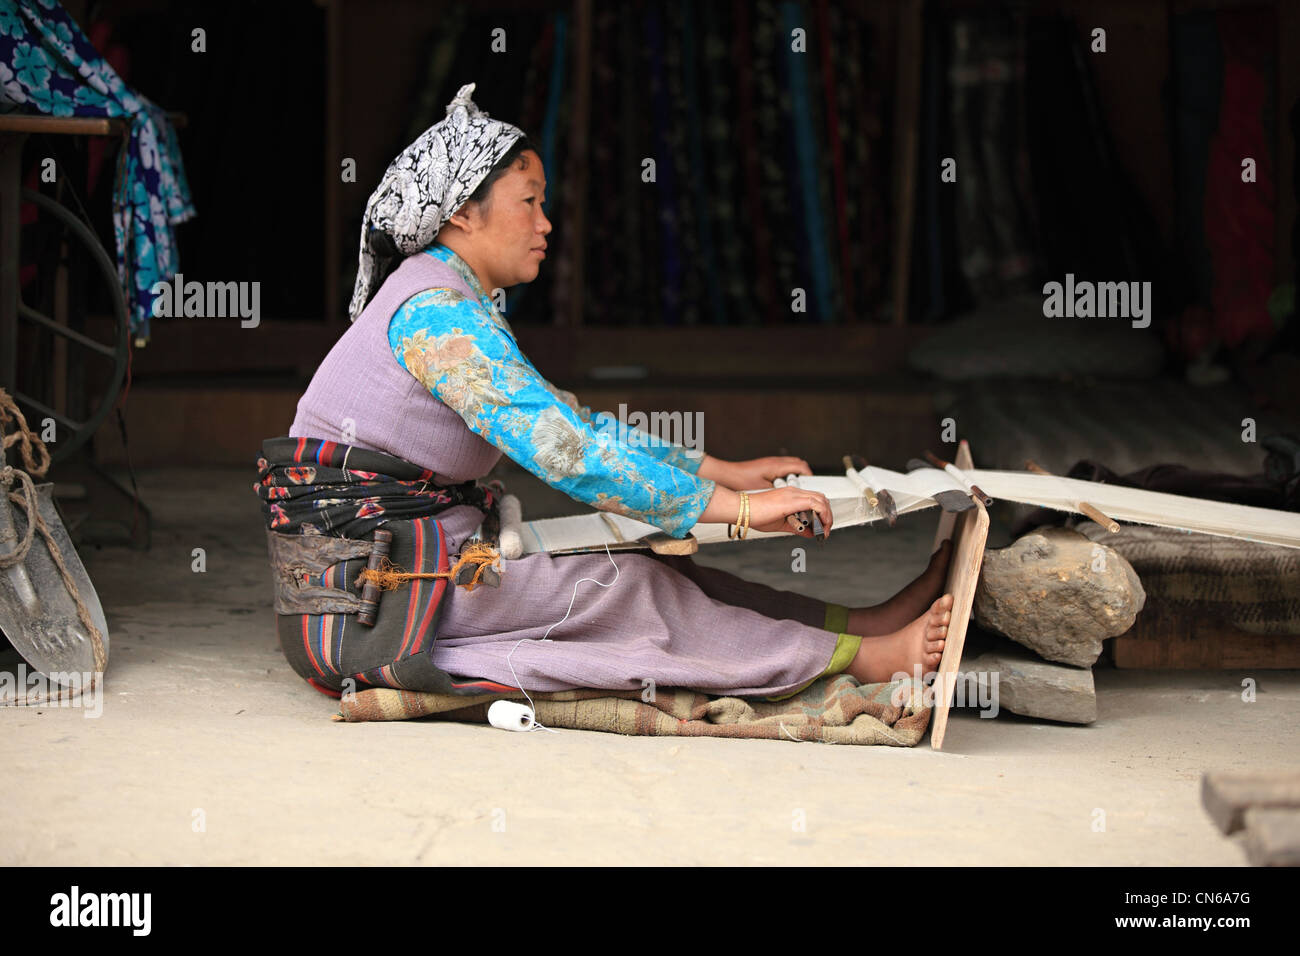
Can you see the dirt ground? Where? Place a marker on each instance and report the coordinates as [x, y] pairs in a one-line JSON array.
[[209, 750]]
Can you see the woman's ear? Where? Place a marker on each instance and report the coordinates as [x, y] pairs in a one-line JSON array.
[[468, 217]]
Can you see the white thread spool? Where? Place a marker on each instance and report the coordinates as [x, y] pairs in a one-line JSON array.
[[508, 715]]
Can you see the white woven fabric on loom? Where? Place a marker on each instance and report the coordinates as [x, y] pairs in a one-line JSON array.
[[913, 491], [1144, 507]]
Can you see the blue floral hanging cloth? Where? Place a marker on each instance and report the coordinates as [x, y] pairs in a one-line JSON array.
[[49, 66]]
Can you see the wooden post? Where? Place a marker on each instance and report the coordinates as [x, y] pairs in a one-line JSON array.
[[907, 98], [11, 153]]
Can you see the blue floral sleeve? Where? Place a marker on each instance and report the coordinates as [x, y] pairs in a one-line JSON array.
[[661, 448], [666, 451], [468, 359]]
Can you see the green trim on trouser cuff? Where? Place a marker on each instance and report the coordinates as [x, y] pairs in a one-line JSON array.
[[837, 618], [846, 648]]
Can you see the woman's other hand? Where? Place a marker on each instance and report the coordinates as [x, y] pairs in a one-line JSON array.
[[756, 473]]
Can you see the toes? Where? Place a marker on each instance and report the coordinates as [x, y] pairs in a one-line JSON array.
[[943, 604]]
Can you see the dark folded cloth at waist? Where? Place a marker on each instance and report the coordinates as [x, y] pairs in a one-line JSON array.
[[314, 486]]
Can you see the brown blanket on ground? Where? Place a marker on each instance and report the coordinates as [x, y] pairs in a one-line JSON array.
[[834, 710]]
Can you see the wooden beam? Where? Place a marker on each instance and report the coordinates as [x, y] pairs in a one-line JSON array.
[[70, 125], [569, 356], [1172, 638], [11, 184]]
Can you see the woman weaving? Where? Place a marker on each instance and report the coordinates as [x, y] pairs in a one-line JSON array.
[[418, 401]]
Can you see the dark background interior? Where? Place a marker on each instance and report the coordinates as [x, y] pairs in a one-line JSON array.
[[1070, 161]]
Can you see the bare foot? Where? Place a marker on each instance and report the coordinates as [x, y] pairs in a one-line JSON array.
[[904, 606], [919, 643]]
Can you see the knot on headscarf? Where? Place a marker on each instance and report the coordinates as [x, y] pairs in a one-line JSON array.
[[424, 186]]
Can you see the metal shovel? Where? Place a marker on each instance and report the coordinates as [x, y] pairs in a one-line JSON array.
[[37, 614]]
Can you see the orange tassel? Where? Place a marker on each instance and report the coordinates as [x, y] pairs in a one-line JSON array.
[[389, 576]]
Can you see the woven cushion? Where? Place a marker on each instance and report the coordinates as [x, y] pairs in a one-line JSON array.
[[1254, 587]]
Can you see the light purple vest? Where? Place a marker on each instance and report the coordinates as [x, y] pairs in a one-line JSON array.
[[389, 410]]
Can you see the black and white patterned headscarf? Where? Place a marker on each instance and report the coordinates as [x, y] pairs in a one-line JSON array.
[[424, 187]]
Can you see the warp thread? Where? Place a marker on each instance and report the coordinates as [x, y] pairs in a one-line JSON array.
[[546, 637]]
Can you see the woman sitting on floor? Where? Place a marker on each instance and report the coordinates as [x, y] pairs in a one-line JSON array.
[[421, 397]]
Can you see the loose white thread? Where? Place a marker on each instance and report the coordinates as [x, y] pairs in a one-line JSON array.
[[536, 724]]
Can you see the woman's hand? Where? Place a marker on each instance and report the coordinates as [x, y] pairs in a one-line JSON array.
[[768, 509], [751, 474]]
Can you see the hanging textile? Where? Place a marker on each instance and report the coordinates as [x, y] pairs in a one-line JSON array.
[[677, 135], [661, 206], [49, 66], [723, 200], [1238, 214], [774, 143], [803, 133]]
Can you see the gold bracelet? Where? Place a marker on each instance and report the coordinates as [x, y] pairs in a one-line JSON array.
[[742, 530]]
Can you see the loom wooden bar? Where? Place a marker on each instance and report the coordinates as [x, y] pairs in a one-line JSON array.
[[1106, 522]]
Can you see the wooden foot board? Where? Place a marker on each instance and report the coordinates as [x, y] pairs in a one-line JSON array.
[[969, 531]]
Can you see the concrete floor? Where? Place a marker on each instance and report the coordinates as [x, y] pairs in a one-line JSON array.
[[210, 750]]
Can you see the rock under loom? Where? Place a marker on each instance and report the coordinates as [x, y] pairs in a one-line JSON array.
[[1058, 594], [1035, 688]]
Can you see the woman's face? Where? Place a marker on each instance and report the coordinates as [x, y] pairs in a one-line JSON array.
[[512, 234]]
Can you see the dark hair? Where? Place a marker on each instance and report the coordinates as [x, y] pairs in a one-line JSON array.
[[484, 190]]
